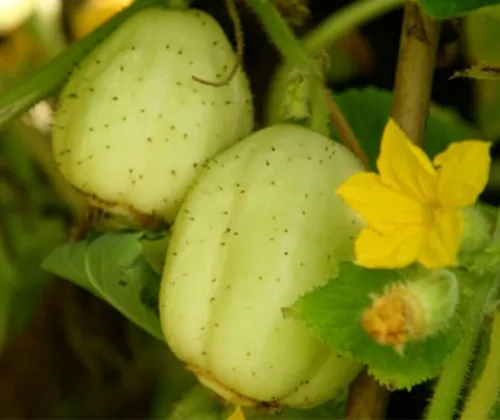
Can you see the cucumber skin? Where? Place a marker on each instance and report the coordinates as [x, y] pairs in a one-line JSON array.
[[132, 127], [260, 227]]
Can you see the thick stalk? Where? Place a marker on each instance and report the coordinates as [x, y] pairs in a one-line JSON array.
[[415, 70], [456, 367], [483, 397]]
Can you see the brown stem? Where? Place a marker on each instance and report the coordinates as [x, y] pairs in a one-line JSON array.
[[415, 71], [412, 93], [346, 134], [367, 399]]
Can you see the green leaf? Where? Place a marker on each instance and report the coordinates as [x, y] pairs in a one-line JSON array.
[[443, 9], [112, 267], [197, 404], [334, 312], [43, 83], [155, 250], [368, 111]]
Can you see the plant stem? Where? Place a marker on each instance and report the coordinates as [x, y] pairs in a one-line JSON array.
[[294, 53], [283, 37], [415, 70], [45, 81], [346, 19], [483, 397], [320, 115], [451, 380], [367, 398], [345, 131], [483, 348]]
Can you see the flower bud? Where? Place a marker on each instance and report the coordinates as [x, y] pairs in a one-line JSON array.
[[414, 310]]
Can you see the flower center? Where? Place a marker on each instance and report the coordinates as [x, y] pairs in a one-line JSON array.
[[429, 215]]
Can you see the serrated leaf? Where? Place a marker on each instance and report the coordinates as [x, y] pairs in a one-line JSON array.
[[334, 313], [368, 111], [112, 267], [443, 9], [28, 92]]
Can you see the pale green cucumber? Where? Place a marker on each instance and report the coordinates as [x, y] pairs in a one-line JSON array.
[[260, 227], [133, 127]]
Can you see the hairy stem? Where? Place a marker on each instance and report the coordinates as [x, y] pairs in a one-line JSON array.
[[283, 37], [296, 55], [451, 380], [483, 397], [320, 114], [415, 70]]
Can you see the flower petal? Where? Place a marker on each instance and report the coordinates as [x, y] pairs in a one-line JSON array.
[[405, 167], [396, 249], [237, 414], [442, 244], [463, 172], [381, 207]]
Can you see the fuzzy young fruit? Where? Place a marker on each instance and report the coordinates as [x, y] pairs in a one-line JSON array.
[[133, 127], [260, 227]]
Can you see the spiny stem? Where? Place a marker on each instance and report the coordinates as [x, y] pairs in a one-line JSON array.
[[483, 397], [451, 380], [415, 70], [283, 37]]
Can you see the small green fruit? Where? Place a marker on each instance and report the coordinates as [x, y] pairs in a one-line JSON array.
[[133, 128], [260, 227]]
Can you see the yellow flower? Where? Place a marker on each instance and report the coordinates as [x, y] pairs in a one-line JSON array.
[[93, 13], [413, 207], [237, 414]]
